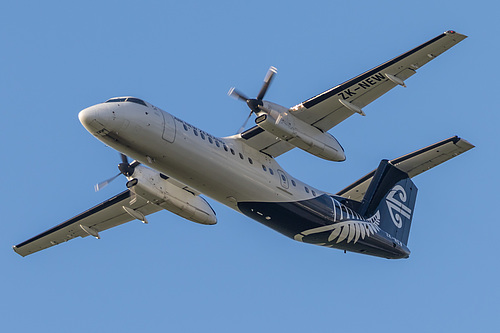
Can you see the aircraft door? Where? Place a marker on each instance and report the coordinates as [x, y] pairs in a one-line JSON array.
[[283, 179], [169, 127]]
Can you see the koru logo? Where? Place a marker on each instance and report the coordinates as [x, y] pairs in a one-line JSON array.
[[396, 205]]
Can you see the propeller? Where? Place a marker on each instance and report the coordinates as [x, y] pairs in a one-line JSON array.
[[126, 169], [254, 103]]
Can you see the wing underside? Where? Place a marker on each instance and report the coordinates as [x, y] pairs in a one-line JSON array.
[[333, 106], [327, 109], [107, 214], [413, 164]]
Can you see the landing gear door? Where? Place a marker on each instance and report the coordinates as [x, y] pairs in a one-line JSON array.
[[169, 128]]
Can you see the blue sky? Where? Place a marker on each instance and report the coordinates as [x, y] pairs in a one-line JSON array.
[[238, 276]]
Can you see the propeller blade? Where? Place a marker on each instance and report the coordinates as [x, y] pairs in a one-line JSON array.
[[124, 158], [267, 81], [254, 104], [245, 123], [101, 185], [237, 95]]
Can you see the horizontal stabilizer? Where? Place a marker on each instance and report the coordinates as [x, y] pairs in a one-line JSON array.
[[413, 164]]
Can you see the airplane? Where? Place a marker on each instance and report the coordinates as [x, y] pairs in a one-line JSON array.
[[176, 162]]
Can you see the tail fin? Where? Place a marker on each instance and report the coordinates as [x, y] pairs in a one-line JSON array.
[[392, 194]]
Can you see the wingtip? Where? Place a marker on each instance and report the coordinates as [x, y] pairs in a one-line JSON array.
[[16, 250], [465, 144], [453, 32]]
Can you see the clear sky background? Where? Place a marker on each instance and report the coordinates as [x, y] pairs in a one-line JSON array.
[[59, 57]]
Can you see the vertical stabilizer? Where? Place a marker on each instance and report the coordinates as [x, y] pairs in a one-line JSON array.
[[392, 194]]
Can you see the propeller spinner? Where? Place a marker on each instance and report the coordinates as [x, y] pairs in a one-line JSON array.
[[126, 169], [254, 103]]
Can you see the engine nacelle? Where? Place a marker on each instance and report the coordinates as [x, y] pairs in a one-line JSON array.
[[152, 187], [278, 121]]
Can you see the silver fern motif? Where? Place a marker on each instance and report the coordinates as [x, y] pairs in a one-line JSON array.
[[346, 230], [352, 230]]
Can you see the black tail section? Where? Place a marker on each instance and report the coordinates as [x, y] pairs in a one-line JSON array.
[[392, 194]]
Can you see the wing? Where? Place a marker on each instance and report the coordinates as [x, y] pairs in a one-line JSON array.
[[333, 106], [264, 141], [108, 214], [413, 164]]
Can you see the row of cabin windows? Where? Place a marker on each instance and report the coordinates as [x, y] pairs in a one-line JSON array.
[[203, 136], [265, 169], [242, 157], [307, 190], [284, 179]]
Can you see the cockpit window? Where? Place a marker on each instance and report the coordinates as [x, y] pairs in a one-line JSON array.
[[115, 100], [136, 100], [125, 99]]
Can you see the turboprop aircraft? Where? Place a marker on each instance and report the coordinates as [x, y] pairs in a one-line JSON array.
[[176, 162]]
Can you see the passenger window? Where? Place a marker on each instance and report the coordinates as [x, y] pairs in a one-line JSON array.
[[232, 151], [241, 155], [250, 160], [217, 144], [307, 190], [293, 183], [264, 167], [225, 148], [271, 171], [314, 193], [210, 140], [195, 132], [202, 136], [185, 127]]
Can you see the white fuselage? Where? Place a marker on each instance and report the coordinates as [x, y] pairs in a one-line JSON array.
[[221, 168], [231, 172]]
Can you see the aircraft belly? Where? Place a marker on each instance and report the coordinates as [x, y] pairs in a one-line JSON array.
[[290, 218], [229, 179], [224, 181], [313, 221]]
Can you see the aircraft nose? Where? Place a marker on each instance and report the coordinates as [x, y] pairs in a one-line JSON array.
[[86, 116], [94, 118]]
